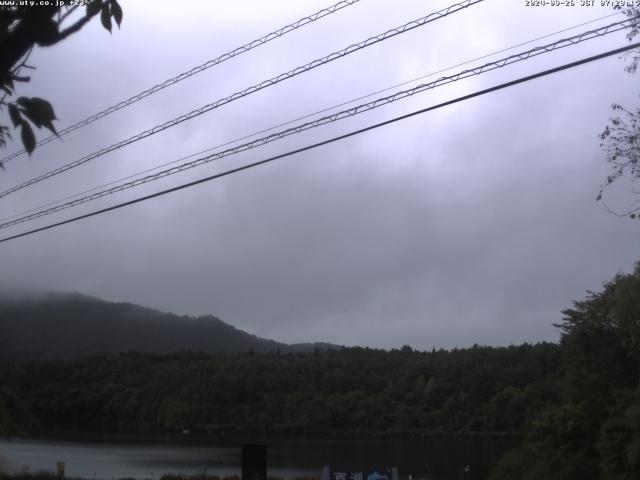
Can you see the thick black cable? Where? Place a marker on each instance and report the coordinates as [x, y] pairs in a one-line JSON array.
[[308, 115], [331, 140], [189, 73], [253, 89], [478, 70]]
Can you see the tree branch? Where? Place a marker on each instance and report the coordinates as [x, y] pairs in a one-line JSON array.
[[66, 14], [73, 28], [630, 213]]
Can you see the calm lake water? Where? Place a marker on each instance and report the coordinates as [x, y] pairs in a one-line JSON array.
[[103, 458]]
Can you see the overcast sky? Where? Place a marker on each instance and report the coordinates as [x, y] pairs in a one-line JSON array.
[[474, 223]]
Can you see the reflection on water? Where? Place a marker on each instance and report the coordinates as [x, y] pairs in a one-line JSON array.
[[445, 458], [114, 461]]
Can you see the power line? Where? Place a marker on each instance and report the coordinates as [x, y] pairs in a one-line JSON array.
[[330, 140], [195, 70], [487, 67], [289, 122], [255, 88]]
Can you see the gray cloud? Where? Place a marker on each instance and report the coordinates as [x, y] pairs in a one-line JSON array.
[[472, 224]]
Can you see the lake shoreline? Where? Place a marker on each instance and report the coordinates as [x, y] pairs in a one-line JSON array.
[[235, 438], [44, 475], [112, 457]]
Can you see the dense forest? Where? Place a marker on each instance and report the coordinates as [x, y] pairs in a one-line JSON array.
[[575, 405], [349, 392]]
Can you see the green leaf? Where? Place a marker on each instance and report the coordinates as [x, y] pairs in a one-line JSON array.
[[29, 114], [39, 111], [23, 102], [43, 111], [93, 7], [28, 138], [27, 111], [43, 108], [116, 12], [14, 114], [105, 17]]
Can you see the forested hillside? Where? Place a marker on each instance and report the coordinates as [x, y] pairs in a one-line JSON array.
[[575, 405], [350, 392], [59, 326]]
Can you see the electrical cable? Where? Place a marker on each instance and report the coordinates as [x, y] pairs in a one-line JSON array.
[[487, 67], [308, 115], [255, 88], [289, 122], [193, 71], [330, 140]]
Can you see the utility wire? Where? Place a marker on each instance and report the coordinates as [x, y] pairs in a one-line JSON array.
[[289, 122], [195, 70], [255, 88], [487, 67], [330, 140]]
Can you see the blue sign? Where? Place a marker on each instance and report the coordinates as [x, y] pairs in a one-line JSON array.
[[385, 473]]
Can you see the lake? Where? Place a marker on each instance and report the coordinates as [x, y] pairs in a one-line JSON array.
[[109, 458]]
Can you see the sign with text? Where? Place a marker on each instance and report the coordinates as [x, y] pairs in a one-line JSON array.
[[382, 473]]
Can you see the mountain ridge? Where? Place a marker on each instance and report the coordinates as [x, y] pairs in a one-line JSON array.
[[47, 326]]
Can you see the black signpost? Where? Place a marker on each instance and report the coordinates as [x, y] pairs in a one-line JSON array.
[[254, 462]]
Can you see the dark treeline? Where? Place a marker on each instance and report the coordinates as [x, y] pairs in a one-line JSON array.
[[591, 427], [575, 405], [347, 392]]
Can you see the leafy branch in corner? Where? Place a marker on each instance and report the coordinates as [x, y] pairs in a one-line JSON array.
[[621, 139], [621, 142], [21, 29]]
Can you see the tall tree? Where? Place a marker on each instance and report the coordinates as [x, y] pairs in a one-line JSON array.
[[594, 431]]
